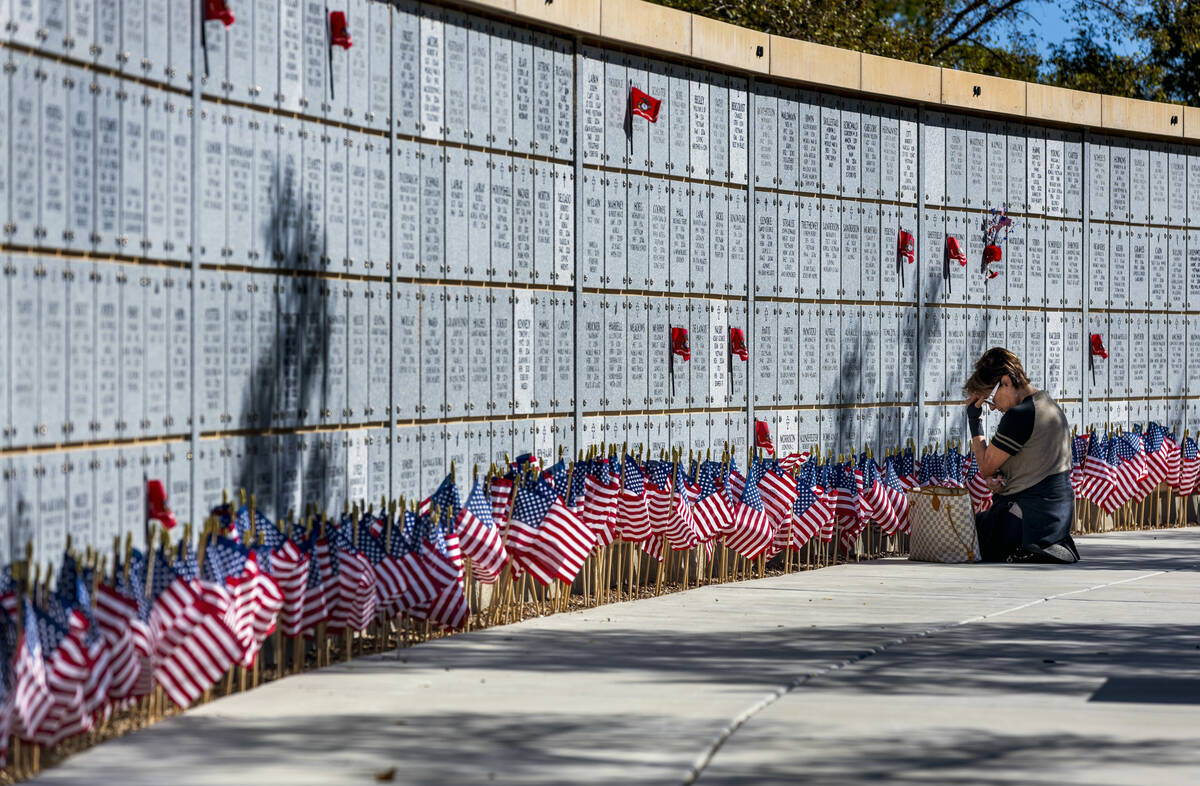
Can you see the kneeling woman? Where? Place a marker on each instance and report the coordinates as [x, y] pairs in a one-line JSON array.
[[1027, 464]]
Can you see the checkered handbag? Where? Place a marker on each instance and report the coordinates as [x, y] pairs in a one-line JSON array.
[[943, 526]]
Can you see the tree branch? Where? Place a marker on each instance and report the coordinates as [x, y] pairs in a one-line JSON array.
[[962, 14], [968, 33]]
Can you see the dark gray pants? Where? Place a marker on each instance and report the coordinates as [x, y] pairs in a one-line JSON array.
[[1030, 522]]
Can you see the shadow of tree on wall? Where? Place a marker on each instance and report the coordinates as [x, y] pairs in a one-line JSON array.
[[926, 338], [287, 384], [851, 377], [850, 374]]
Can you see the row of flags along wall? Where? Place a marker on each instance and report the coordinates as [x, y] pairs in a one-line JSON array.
[[176, 620]]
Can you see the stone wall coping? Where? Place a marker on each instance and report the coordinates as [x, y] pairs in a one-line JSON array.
[[661, 30]]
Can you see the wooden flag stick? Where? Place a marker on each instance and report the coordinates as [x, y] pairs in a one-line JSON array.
[[594, 574], [635, 554], [662, 568], [525, 593], [298, 654], [619, 548], [605, 573], [585, 574]]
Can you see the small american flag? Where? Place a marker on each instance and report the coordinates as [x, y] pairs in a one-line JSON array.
[[449, 609], [565, 541], [1097, 473], [1132, 471], [555, 542], [809, 514], [752, 533], [669, 507], [530, 506], [1156, 457], [389, 581], [633, 477], [1079, 448], [826, 489], [926, 470], [272, 537], [557, 475], [68, 571], [115, 617], [525, 461], [204, 651], [793, 460], [223, 559], [953, 462], [778, 492], [67, 672], [480, 537], [633, 517], [406, 548], [600, 502], [576, 494], [290, 568], [847, 508], [711, 512], [368, 541], [681, 531], [255, 602], [224, 515], [1189, 468], [1173, 459], [880, 502], [1115, 498], [977, 488], [733, 483], [658, 474], [500, 492], [32, 700], [356, 592], [426, 568], [185, 564], [315, 608], [445, 500], [907, 470]]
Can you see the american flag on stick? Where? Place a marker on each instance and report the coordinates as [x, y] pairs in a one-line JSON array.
[[553, 542], [480, 538], [752, 533], [1189, 468], [711, 512]]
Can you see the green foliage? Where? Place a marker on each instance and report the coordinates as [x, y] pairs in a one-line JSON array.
[[1172, 29], [998, 37], [1086, 63]]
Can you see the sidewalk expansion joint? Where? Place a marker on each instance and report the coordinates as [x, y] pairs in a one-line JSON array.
[[743, 717]]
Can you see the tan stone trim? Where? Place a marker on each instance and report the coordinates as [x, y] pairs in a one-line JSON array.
[[816, 64], [658, 29], [645, 25], [1141, 117], [1060, 105], [890, 78], [983, 93], [728, 45]]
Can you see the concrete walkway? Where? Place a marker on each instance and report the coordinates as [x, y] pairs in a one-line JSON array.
[[889, 671]]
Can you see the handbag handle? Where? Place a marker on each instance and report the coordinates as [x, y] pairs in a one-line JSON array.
[[950, 520]]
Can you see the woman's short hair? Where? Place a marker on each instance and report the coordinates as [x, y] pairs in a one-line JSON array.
[[992, 366]]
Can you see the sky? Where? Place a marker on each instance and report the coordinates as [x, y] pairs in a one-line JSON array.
[[1054, 28]]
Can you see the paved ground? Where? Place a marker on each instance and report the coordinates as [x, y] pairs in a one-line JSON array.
[[887, 671]]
